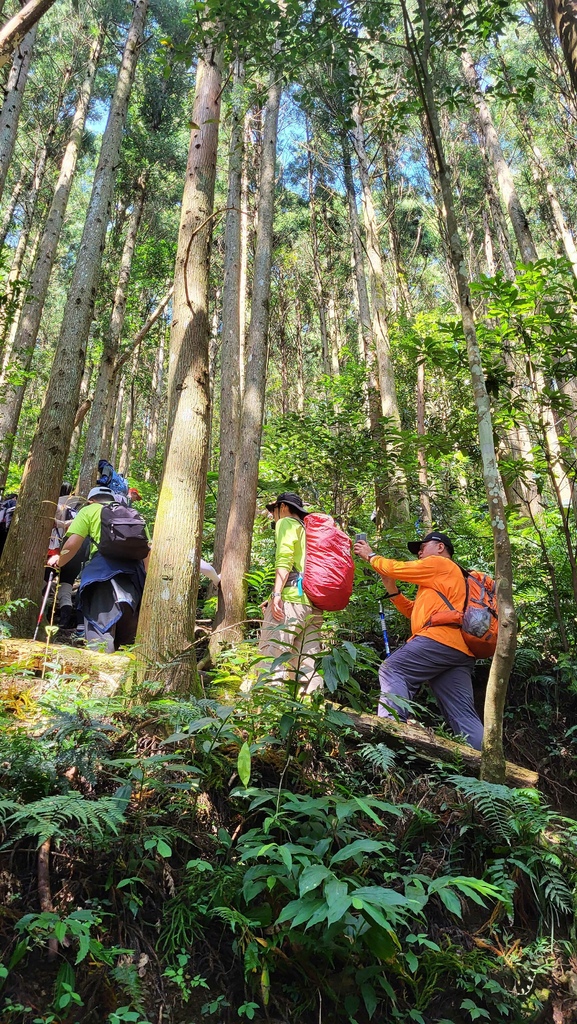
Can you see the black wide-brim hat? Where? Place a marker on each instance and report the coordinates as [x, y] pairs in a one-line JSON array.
[[414, 545], [290, 499]]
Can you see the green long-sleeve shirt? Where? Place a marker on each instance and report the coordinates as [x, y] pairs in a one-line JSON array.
[[290, 554]]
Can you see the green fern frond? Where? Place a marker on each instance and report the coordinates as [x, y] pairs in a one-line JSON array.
[[56, 817], [378, 756]]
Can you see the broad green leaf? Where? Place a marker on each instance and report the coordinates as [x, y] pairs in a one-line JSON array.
[[163, 849], [354, 849], [244, 764], [311, 877]]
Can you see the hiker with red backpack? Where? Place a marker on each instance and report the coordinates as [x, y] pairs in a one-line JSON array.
[[313, 573], [112, 582], [437, 651]]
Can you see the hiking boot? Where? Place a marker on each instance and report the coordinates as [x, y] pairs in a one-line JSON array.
[[67, 617]]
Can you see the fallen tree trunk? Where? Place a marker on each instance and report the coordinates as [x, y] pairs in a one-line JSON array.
[[102, 673], [433, 748]]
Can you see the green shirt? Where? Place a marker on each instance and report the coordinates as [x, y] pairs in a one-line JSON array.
[[86, 523], [290, 554]]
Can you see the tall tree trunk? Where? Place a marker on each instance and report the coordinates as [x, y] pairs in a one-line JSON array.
[[14, 281], [300, 359], [397, 510], [321, 298], [9, 214], [493, 761], [564, 17], [357, 246], [21, 566], [114, 417], [22, 23], [236, 559], [12, 395], [509, 193], [12, 106], [167, 617], [367, 348], [124, 457], [156, 399], [93, 450], [230, 371], [425, 500]]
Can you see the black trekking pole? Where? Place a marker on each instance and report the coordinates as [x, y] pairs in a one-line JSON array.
[[384, 629], [44, 602]]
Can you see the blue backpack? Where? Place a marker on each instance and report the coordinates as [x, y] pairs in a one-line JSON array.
[[110, 478]]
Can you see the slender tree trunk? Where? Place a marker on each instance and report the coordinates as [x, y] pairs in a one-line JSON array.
[[157, 388], [10, 209], [509, 193], [93, 444], [22, 23], [244, 242], [12, 106], [236, 559], [397, 510], [321, 298], [230, 370], [15, 285], [124, 457], [357, 245], [425, 500], [167, 617], [493, 761], [300, 359], [116, 406], [12, 395], [21, 566]]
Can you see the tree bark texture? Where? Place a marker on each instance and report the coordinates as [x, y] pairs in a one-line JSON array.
[[167, 617], [236, 559], [397, 510], [493, 760], [23, 22], [230, 353], [433, 748], [12, 105], [21, 567], [93, 446], [564, 17], [10, 209]]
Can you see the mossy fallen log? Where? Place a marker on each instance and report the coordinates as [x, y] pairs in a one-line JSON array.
[[433, 748], [22, 664]]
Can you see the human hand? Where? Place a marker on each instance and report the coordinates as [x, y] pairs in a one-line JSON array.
[[390, 584], [277, 608], [363, 550], [53, 561]]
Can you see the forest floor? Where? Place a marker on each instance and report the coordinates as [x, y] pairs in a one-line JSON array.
[[179, 861]]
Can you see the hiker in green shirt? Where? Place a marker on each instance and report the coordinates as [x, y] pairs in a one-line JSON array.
[[291, 623]]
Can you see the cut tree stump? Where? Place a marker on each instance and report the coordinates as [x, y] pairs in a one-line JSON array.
[[433, 748], [103, 673]]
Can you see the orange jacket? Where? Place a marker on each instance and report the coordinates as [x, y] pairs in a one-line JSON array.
[[431, 574]]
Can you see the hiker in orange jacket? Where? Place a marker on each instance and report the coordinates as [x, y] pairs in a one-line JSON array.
[[434, 654]]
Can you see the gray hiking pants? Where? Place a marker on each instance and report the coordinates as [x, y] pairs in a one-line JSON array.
[[448, 673]]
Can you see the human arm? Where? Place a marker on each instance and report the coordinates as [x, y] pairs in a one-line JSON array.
[[403, 604], [70, 546]]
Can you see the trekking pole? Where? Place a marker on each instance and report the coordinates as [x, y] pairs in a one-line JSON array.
[[44, 602], [384, 629]]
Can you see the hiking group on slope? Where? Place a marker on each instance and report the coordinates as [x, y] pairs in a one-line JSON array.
[[105, 541], [437, 651]]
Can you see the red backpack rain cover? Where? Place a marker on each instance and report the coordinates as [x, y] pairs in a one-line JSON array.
[[329, 567]]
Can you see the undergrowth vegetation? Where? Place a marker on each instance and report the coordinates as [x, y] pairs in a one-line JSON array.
[[252, 859]]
